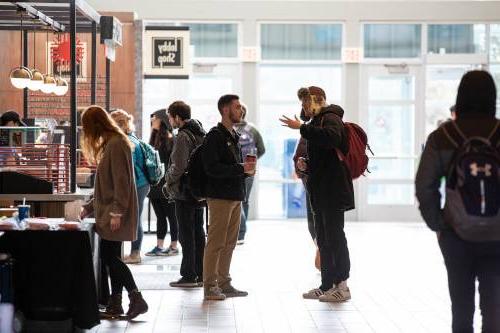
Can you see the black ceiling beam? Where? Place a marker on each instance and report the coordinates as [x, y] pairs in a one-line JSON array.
[[81, 6], [35, 14]]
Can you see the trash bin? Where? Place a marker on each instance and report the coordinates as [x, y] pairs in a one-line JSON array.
[[294, 194]]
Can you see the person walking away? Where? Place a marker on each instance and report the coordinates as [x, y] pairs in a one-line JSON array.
[[189, 213], [114, 204], [162, 139], [466, 261], [251, 144], [126, 123], [330, 188], [225, 190]]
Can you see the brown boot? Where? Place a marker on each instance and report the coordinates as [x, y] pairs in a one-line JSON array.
[[137, 305], [114, 308]]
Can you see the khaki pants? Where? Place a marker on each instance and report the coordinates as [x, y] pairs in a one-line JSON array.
[[224, 218]]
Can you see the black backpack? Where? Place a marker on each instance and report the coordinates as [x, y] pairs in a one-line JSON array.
[[473, 185], [193, 181]]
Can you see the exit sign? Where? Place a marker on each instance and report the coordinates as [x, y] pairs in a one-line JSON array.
[[352, 55]]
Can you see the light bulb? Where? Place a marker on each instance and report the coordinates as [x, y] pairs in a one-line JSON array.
[[36, 81], [20, 77], [49, 83], [61, 87]]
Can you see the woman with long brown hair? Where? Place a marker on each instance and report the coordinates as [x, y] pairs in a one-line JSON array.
[[162, 139], [114, 204]]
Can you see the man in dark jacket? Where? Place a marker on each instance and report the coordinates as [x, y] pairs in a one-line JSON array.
[[465, 261], [225, 190], [189, 214], [330, 188]]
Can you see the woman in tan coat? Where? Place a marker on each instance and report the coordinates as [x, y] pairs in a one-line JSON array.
[[114, 204]]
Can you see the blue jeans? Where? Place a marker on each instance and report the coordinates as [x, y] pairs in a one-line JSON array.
[[142, 192], [244, 210]]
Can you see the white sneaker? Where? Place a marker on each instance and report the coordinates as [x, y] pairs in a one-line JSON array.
[[313, 294], [336, 295]]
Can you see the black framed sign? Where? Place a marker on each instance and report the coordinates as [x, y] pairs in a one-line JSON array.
[[166, 52]]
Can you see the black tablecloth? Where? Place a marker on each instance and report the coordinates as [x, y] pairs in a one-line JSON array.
[[53, 275]]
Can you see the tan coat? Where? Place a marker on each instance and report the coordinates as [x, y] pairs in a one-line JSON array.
[[115, 192]]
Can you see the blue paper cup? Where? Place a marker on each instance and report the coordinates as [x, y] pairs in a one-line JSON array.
[[23, 212]]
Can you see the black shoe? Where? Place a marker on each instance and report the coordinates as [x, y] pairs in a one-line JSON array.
[[184, 283]]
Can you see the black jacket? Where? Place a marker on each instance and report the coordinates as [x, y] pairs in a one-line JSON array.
[[223, 164], [435, 163], [329, 182]]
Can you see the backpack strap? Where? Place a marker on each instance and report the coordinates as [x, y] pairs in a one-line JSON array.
[[453, 133], [494, 136], [190, 135]]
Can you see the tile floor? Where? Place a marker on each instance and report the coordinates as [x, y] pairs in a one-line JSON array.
[[398, 284]]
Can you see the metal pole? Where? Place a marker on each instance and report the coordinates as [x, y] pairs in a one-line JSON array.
[[73, 134], [108, 84], [93, 85], [25, 64]]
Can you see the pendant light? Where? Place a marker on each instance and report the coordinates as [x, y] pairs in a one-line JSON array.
[[36, 81], [62, 87], [49, 82], [20, 76]]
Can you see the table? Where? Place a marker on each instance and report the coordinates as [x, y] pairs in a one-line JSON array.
[[53, 275], [49, 205]]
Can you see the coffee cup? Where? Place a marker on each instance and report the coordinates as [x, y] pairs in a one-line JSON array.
[[23, 212]]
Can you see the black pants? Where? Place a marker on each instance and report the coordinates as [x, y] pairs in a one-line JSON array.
[[119, 273], [466, 262], [192, 238], [332, 244], [310, 218], [165, 210]]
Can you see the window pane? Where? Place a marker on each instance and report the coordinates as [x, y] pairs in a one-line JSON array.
[[392, 88], [390, 129], [391, 194], [391, 168], [441, 93], [214, 40], [457, 38], [495, 71], [392, 40], [495, 43], [301, 41]]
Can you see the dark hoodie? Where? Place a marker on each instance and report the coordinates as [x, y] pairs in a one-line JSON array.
[[189, 137], [329, 183]]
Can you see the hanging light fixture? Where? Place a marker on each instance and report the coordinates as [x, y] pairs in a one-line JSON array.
[[36, 81], [49, 82], [20, 77], [61, 87]]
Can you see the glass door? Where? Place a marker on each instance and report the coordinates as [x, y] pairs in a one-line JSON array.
[[390, 115]]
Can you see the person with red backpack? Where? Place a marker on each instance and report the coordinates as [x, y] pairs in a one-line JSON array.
[[466, 152], [330, 188]]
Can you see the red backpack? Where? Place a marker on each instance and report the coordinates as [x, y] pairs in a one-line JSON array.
[[356, 159]]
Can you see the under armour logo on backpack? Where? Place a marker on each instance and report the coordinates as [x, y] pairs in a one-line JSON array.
[[475, 170]]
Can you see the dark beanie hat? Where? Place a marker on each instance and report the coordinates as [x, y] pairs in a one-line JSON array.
[[476, 94], [162, 115]]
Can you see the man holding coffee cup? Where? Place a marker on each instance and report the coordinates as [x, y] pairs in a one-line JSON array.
[[225, 190]]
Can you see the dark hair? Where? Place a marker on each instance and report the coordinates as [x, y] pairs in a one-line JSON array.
[[181, 109], [476, 94], [226, 100], [161, 137]]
